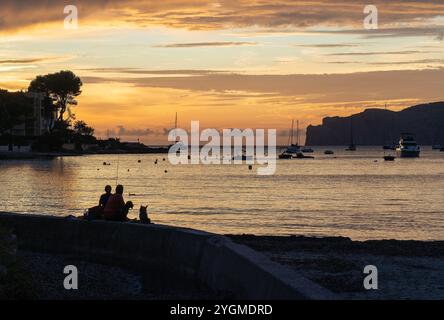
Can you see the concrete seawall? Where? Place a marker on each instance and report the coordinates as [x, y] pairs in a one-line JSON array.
[[163, 253]]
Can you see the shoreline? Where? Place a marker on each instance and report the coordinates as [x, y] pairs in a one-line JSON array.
[[407, 269], [11, 155], [294, 267], [395, 247]]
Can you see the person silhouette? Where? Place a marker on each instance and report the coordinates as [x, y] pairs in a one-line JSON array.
[[116, 209], [105, 197]]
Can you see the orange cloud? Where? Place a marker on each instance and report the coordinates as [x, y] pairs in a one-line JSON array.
[[223, 14], [314, 88], [223, 100]]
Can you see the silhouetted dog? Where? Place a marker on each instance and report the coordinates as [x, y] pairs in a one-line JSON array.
[[143, 214]]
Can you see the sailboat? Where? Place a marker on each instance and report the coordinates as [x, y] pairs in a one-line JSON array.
[[352, 146], [390, 145], [437, 146], [175, 128], [388, 157], [177, 142], [292, 149]]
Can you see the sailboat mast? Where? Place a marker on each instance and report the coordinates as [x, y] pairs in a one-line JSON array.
[[386, 129], [175, 122], [351, 131], [292, 132], [175, 127], [297, 132]]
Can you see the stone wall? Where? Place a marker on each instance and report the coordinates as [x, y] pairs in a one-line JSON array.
[[166, 254]]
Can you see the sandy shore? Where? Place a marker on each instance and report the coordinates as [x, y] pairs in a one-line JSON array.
[[406, 269]]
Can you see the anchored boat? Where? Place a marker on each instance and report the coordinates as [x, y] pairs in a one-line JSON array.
[[389, 158], [352, 146], [292, 148], [408, 148]]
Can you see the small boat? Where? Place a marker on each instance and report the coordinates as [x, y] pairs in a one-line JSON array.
[[352, 146], [285, 156], [307, 150], [388, 136], [300, 155], [388, 156], [293, 149], [329, 152], [408, 148]]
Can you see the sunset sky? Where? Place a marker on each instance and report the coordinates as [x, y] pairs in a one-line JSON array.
[[235, 63]]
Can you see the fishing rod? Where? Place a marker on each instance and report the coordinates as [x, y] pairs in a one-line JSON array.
[[117, 170]]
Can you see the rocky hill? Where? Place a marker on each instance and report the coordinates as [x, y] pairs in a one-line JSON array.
[[379, 126]]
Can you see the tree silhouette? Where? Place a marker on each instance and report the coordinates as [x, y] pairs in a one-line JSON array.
[[62, 87], [81, 128]]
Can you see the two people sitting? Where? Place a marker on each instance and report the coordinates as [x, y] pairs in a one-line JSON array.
[[115, 208], [112, 207]]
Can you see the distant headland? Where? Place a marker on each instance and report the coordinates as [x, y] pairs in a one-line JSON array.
[[381, 127]]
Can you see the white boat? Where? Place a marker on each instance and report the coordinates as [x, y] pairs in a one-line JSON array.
[[408, 148]]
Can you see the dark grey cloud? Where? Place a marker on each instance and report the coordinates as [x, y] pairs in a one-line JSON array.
[[205, 44], [328, 45], [24, 61], [377, 53], [344, 62], [392, 63], [400, 32], [423, 61], [154, 72]]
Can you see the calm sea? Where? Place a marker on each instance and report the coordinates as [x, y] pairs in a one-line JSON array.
[[354, 194]]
